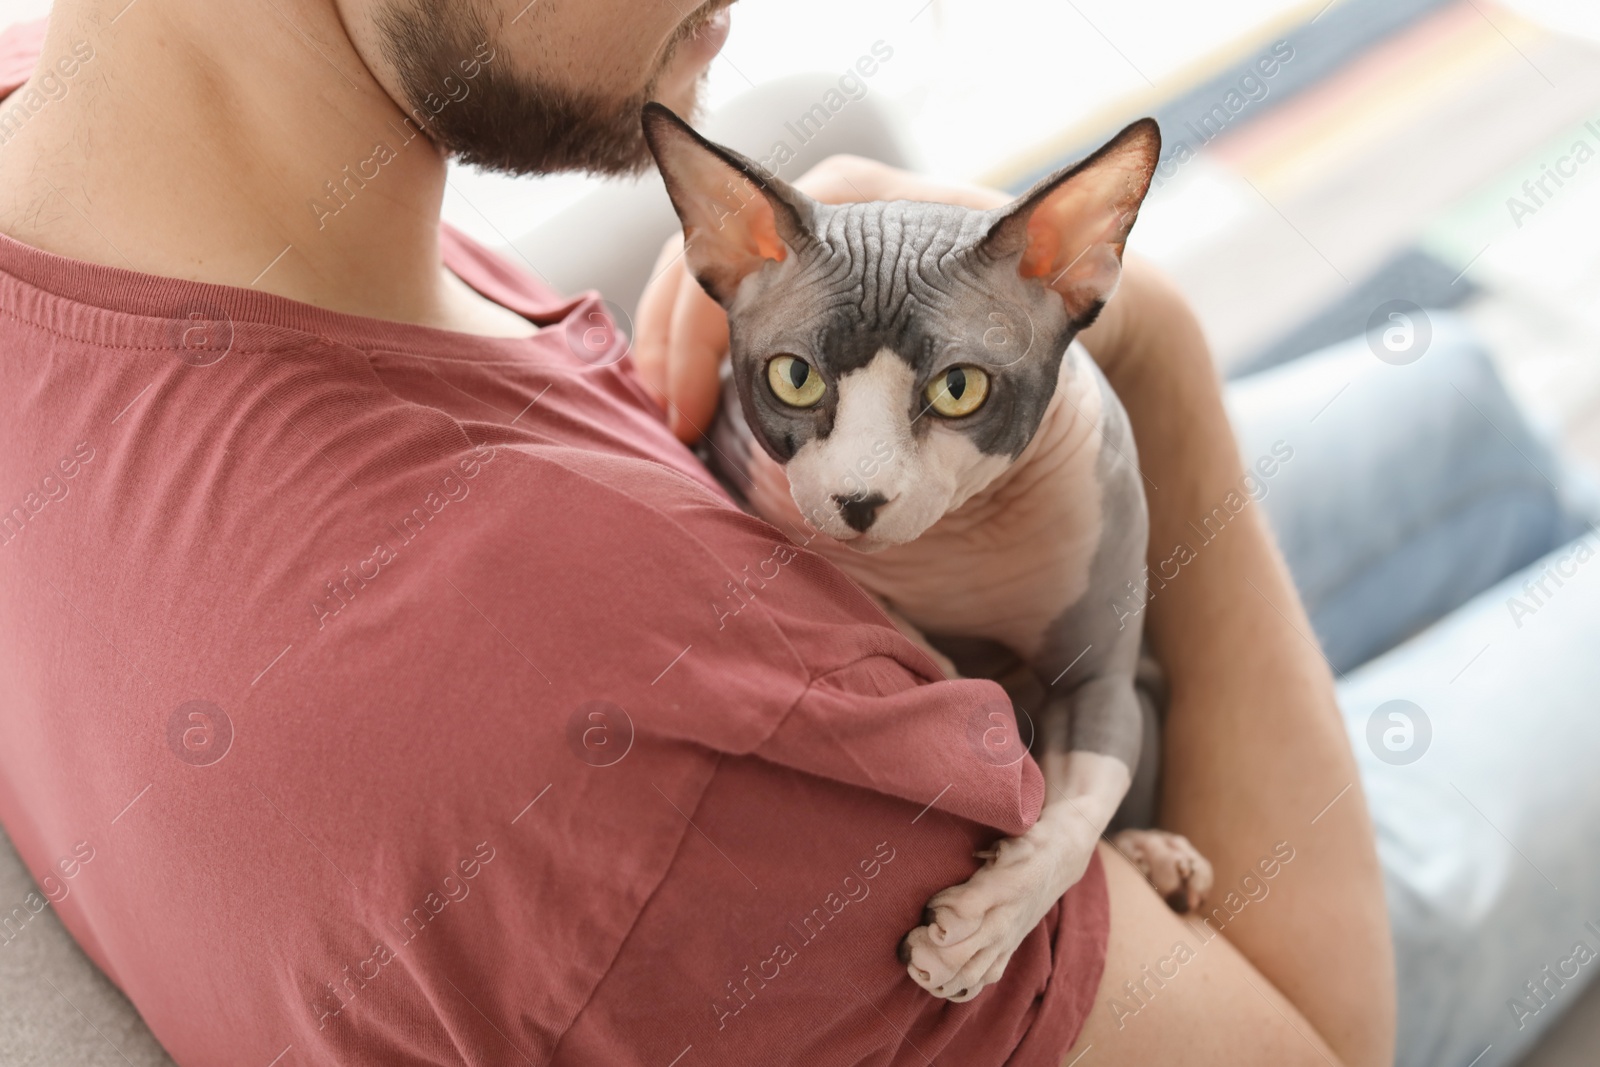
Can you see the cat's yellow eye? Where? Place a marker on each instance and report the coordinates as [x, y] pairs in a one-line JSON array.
[[794, 381], [958, 391]]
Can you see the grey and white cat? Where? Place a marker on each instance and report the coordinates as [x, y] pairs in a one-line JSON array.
[[904, 382]]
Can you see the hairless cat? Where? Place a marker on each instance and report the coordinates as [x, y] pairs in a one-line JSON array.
[[904, 382]]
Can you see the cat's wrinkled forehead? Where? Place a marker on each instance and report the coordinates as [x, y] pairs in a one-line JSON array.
[[896, 355], [899, 275]]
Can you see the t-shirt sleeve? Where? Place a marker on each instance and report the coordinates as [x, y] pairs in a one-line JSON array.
[[20, 45], [497, 726], [768, 649]]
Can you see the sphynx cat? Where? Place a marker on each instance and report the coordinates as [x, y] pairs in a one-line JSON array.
[[904, 381]]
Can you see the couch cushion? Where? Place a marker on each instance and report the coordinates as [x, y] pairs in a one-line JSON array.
[[55, 1005]]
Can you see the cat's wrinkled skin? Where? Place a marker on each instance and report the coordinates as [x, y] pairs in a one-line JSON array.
[[1007, 528]]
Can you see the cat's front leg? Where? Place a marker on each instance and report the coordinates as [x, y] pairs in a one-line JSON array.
[[1106, 741], [1090, 743], [972, 929]]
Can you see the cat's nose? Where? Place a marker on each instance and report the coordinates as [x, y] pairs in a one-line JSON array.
[[859, 510]]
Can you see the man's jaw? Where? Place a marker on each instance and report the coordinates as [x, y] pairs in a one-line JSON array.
[[707, 33], [688, 55]]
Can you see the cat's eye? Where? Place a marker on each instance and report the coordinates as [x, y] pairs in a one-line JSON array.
[[958, 391], [794, 381]]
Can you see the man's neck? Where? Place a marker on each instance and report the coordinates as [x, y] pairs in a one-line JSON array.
[[252, 148]]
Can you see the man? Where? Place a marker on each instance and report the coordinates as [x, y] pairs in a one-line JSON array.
[[364, 606]]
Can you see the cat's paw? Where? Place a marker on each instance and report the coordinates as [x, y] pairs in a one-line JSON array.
[[972, 929], [1173, 866]]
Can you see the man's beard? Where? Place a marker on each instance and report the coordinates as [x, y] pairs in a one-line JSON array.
[[507, 121]]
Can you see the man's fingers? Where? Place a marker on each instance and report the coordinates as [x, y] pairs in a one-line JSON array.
[[680, 339], [652, 323], [697, 342]]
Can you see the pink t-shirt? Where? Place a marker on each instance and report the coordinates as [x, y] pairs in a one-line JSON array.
[[419, 699]]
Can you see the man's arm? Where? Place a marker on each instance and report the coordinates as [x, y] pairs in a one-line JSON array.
[[1254, 747]]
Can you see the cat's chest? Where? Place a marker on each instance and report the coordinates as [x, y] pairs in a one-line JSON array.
[[1009, 561]]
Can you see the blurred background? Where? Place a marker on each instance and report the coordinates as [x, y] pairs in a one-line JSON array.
[[1322, 157], [1375, 163]]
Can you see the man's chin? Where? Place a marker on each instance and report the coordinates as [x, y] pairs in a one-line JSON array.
[[708, 40], [682, 95], [678, 85]]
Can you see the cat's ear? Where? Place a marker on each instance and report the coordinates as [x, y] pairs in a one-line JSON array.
[[1069, 229], [736, 217]]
